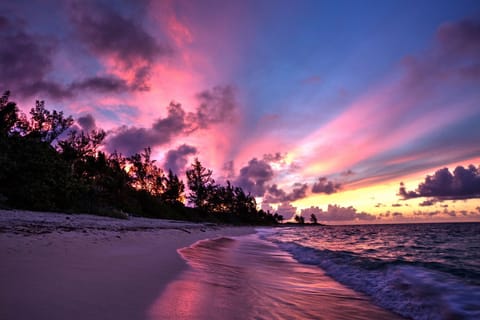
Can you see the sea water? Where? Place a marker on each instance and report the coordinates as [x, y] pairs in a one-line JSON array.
[[412, 271], [420, 271]]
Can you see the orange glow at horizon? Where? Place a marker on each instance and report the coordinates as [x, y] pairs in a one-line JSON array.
[[381, 197]]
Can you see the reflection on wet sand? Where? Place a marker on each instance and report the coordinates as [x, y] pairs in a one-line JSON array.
[[247, 278]]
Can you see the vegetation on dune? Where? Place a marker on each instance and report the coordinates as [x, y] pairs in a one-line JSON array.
[[47, 165]]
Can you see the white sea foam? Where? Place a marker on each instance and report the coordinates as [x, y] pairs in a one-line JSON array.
[[414, 288]]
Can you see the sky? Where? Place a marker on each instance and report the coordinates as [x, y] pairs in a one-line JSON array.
[[356, 111]]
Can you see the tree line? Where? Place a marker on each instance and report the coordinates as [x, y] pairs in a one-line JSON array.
[[47, 165]]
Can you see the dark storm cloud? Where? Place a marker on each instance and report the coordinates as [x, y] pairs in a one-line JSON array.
[[129, 140], [215, 106], [108, 33], [87, 122], [464, 183], [276, 195], [325, 186], [254, 177], [25, 61], [177, 159]]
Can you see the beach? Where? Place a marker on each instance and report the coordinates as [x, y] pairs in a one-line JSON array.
[[58, 266]]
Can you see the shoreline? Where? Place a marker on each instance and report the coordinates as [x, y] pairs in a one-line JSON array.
[[62, 266]]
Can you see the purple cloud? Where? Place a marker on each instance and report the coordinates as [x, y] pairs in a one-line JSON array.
[[287, 210], [229, 169], [273, 157], [347, 173], [130, 140], [454, 56], [464, 183], [325, 186], [176, 159], [103, 84], [108, 33], [87, 122], [25, 61], [338, 213], [215, 106], [427, 203], [276, 195], [254, 177]]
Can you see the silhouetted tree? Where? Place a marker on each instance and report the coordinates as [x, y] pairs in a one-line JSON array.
[[145, 174], [200, 182], [174, 189], [313, 218], [278, 218], [47, 125], [42, 169], [78, 145], [79, 149], [31, 171], [299, 219], [8, 115]]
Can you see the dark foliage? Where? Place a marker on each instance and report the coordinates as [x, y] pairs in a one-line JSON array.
[[299, 219], [40, 170]]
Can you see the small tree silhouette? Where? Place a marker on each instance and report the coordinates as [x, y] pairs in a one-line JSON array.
[[299, 219]]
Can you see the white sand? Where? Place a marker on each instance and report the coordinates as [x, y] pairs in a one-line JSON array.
[[55, 266]]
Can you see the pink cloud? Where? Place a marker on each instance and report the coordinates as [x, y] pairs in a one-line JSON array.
[[402, 110]]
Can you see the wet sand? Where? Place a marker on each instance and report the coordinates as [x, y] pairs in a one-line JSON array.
[[247, 278], [56, 266]]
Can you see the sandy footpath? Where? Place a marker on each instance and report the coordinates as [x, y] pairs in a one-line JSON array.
[[55, 266]]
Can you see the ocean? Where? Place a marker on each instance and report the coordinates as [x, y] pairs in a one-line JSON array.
[[403, 271]]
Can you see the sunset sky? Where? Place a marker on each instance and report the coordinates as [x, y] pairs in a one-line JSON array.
[[325, 106]]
